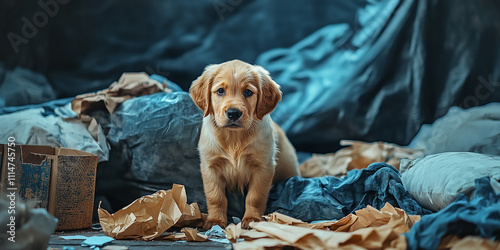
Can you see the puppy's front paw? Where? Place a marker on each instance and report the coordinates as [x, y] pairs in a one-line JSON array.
[[212, 222], [245, 223]]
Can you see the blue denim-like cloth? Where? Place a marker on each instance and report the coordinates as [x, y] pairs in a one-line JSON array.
[[326, 198], [479, 216]]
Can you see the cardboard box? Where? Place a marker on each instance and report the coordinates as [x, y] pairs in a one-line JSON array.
[[62, 180]]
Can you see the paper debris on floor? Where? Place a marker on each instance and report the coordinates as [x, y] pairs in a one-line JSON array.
[[215, 231], [233, 232], [129, 85], [149, 216], [468, 242], [115, 248], [366, 217], [367, 228], [97, 241], [188, 234], [74, 237], [357, 155]]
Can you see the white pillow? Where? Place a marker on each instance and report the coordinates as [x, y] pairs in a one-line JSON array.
[[437, 180]]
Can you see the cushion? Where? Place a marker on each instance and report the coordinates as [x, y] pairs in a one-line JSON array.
[[437, 180]]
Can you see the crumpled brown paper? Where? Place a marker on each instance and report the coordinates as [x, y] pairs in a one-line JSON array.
[[367, 228], [357, 156], [233, 232], [149, 216], [188, 234], [363, 218], [129, 85], [279, 235], [453, 242]]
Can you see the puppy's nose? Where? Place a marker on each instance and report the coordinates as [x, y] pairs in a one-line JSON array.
[[233, 114]]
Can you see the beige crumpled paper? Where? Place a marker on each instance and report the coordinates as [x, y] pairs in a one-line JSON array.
[[357, 156], [279, 235], [188, 234], [362, 218], [453, 242], [367, 228], [129, 85], [233, 232], [149, 216]]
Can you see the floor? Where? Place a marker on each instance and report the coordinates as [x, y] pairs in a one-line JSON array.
[[57, 242]]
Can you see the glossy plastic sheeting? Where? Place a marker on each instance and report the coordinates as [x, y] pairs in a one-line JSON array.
[[153, 142], [403, 63]]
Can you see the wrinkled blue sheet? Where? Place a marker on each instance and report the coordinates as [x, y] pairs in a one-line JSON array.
[[153, 141], [21, 86], [52, 123], [478, 216], [403, 63], [49, 108], [328, 198]]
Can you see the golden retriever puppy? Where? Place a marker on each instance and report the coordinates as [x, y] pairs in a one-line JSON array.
[[240, 146]]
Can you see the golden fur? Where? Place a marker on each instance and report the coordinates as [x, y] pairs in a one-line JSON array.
[[250, 152]]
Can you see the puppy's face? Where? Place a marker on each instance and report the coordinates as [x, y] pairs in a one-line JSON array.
[[235, 93]]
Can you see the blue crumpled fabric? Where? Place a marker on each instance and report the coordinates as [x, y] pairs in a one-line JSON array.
[[49, 108], [153, 141], [327, 198], [22, 86], [479, 216]]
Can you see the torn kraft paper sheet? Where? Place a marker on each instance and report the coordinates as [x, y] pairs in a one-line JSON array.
[[367, 228], [357, 155], [129, 85], [149, 216]]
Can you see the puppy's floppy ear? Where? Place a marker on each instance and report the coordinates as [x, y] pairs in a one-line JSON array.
[[200, 89], [270, 93]]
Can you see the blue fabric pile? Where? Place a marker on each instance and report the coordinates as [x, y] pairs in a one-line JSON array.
[[329, 198], [478, 216]]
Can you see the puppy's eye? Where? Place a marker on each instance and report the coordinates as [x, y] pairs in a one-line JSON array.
[[221, 91], [247, 93]]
